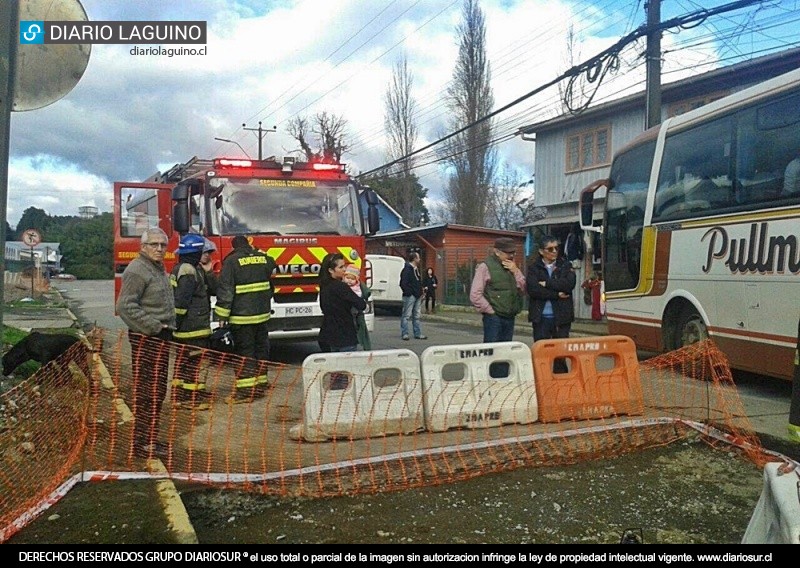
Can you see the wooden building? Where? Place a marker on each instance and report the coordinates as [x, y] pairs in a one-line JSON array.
[[451, 250]]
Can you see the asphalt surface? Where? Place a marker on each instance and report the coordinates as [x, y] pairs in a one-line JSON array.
[[766, 400]]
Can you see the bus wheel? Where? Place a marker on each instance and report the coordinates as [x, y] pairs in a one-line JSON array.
[[691, 328]]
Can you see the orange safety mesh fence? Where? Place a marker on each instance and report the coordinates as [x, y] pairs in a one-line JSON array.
[[358, 430]]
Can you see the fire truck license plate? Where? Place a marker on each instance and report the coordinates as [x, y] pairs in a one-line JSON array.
[[299, 311]]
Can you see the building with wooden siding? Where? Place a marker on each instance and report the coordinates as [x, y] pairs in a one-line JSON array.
[[572, 151], [451, 250]]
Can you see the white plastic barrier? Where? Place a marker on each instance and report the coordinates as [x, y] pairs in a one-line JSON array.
[[776, 518], [360, 394], [478, 385]]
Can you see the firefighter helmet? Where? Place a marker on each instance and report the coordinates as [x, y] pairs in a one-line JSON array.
[[190, 243], [222, 340]]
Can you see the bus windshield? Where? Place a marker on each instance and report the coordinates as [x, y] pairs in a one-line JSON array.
[[625, 206], [283, 207]]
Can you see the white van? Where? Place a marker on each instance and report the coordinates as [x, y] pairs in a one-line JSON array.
[[385, 285]]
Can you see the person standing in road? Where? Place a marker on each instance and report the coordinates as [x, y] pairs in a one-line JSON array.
[[429, 285], [244, 296], [338, 331], [551, 281], [411, 285], [497, 291], [192, 321], [146, 306]]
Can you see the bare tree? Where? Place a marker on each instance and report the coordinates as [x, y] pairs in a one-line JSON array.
[[324, 138], [469, 97], [505, 199], [399, 108], [572, 94]]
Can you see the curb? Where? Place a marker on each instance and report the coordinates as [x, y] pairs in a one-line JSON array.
[[522, 328], [174, 510]]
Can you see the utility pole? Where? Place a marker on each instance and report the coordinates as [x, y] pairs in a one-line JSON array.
[[9, 37], [653, 59], [261, 133]]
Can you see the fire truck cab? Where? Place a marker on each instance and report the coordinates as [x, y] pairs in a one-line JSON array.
[[297, 212]]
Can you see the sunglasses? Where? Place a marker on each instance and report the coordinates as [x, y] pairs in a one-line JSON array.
[[551, 249]]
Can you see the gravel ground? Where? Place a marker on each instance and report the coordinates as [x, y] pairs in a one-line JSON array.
[[686, 492]]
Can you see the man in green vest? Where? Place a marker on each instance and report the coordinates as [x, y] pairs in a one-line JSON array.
[[497, 291]]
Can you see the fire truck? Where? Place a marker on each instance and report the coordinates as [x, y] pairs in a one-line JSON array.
[[297, 212]]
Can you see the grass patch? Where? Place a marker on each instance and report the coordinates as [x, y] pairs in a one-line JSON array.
[[11, 336]]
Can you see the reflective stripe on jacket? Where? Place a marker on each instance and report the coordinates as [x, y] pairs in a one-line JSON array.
[[244, 292], [192, 304]]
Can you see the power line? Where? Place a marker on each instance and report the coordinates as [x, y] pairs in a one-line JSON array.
[[593, 67]]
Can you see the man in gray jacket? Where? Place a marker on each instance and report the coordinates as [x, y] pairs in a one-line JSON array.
[[147, 307]]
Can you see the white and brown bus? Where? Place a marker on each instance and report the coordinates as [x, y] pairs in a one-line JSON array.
[[701, 229]]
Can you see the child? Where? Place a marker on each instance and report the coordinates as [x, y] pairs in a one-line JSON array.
[[351, 278]]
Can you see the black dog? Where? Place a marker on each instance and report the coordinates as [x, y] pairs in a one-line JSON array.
[[41, 347]]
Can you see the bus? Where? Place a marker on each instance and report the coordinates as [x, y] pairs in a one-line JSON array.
[[700, 229], [296, 212]]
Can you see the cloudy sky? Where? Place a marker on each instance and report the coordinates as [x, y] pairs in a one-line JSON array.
[[272, 60]]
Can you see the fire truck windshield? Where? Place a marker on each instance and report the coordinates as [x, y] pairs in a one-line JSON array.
[[284, 207]]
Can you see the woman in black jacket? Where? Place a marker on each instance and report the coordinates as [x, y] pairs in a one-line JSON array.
[[429, 285], [338, 330], [550, 281]]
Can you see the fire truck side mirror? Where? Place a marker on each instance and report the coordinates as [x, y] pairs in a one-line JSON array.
[[373, 220], [180, 207], [370, 196]]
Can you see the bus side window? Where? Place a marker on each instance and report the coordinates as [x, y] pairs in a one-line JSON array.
[[768, 138], [695, 174]]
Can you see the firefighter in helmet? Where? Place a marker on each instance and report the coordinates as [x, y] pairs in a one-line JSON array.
[[193, 321], [244, 294]]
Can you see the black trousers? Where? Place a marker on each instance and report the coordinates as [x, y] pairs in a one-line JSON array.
[[547, 329], [150, 368], [432, 299], [187, 363], [251, 341]]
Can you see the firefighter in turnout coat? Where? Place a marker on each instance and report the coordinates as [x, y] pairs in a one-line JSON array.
[[193, 322], [244, 294]]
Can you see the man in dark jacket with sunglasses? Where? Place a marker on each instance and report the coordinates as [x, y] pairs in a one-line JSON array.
[[550, 281]]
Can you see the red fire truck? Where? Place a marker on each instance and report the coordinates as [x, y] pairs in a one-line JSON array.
[[297, 212]]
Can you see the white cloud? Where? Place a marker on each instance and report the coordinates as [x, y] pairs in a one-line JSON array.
[[130, 116]]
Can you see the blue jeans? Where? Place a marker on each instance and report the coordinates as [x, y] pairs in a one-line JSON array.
[[497, 328], [411, 309]]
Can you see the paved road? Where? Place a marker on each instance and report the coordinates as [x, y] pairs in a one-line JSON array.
[[766, 400]]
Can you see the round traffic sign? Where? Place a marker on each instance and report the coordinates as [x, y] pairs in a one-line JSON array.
[[31, 237]]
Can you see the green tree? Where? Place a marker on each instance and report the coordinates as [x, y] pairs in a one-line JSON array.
[[87, 247], [33, 218]]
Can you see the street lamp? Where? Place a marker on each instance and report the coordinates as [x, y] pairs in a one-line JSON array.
[[233, 142]]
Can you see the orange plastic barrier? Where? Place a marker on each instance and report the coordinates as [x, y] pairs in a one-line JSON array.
[[602, 379]]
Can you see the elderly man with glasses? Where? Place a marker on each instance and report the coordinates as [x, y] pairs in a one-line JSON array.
[[497, 291], [147, 307], [551, 281]]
